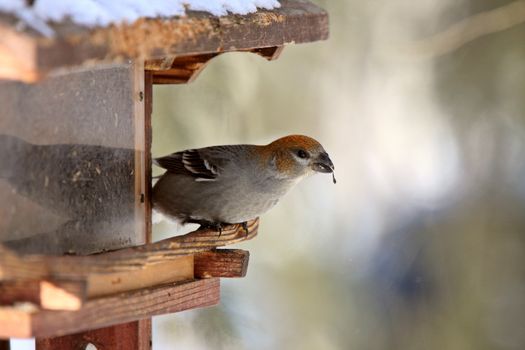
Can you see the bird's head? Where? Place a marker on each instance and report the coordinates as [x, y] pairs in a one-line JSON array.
[[296, 156]]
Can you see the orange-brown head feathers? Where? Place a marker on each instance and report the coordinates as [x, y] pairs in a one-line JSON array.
[[296, 141], [296, 156]]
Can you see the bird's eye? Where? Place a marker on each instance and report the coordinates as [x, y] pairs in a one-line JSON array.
[[302, 154]]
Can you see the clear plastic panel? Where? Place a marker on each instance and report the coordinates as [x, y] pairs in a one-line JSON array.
[[67, 163]]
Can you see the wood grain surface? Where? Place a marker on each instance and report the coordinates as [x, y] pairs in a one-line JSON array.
[[127, 336], [24, 322], [295, 21], [31, 267], [222, 263]]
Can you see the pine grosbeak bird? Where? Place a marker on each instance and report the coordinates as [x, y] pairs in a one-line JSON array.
[[233, 184]]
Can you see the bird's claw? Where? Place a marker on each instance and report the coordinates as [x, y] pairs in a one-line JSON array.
[[245, 227], [218, 228]]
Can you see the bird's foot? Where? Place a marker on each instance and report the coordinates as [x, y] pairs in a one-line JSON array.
[[218, 227], [245, 227]]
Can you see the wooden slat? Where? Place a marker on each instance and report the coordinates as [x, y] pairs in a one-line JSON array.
[[70, 295], [185, 69], [62, 295], [141, 181], [148, 137], [182, 70], [18, 291], [222, 263], [53, 295], [180, 269], [12, 267], [15, 321], [128, 336], [295, 21], [31, 267], [106, 311], [12, 46]]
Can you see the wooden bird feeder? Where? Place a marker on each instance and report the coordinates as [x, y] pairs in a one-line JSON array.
[[77, 264]]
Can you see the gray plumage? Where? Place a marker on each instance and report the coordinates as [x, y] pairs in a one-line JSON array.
[[227, 184]]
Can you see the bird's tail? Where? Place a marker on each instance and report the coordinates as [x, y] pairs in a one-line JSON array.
[[12, 149]]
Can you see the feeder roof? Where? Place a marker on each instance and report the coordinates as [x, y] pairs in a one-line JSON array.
[[32, 45]]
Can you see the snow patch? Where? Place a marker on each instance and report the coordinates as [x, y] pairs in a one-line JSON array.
[[104, 12]]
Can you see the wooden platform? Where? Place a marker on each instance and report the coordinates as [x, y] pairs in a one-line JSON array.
[[42, 296]]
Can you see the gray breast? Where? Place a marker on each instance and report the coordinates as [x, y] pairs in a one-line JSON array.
[[228, 199]]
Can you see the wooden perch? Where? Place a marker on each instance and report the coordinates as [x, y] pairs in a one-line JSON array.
[[71, 295], [36, 267], [222, 263], [69, 282], [119, 286]]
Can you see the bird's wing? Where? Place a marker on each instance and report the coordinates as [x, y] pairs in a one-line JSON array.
[[201, 164]]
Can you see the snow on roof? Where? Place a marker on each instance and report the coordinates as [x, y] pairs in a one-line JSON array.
[[104, 12]]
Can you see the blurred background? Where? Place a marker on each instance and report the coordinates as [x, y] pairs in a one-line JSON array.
[[421, 243]]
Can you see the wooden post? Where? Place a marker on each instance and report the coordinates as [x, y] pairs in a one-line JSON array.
[[127, 336]]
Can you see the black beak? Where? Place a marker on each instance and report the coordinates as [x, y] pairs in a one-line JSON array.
[[323, 164]]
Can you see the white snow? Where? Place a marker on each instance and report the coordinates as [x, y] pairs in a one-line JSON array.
[[11, 5], [104, 12]]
